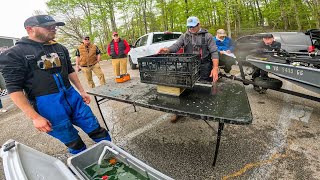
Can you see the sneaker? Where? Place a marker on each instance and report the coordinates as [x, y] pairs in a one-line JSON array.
[[3, 110]]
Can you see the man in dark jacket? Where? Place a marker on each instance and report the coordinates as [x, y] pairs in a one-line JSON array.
[[38, 71], [198, 41], [118, 49], [267, 44]]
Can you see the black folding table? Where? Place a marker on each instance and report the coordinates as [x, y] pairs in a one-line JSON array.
[[225, 102]]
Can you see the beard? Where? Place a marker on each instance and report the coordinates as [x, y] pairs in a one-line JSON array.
[[45, 37]]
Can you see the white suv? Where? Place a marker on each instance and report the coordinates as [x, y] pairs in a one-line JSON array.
[[149, 44]]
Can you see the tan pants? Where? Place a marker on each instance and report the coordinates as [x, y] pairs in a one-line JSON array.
[[119, 66], [97, 71]]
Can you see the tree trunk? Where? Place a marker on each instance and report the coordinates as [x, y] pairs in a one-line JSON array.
[[187, 9], [145, 16], [253, 13], [260, 13], [296, 14], [228, 17], [317, 12], [85, 6], [172, 20], [164, 15], [111, 15], [283, 15], [214, 13]]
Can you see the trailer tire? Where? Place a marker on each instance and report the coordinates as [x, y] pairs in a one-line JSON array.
[[268, 83]]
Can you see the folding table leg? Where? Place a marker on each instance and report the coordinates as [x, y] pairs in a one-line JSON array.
[[95, 98], [220, 128]]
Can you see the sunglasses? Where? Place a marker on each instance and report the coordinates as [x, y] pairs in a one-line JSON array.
[[189, 27], [116, 35], [86, 38], [48, 27]]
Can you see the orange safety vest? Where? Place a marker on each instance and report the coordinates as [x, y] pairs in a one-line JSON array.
[[87, 58]]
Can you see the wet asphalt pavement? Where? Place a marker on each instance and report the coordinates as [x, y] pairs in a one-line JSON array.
[[281, 143]]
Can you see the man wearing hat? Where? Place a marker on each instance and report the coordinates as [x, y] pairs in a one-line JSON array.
[[38, 71], [87, 59], [225, 49], [267, 44], [198, 41], [118, 49]]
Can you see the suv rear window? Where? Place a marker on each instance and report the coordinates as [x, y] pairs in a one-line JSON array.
[[296, 39], [249, 39], [164, 37]]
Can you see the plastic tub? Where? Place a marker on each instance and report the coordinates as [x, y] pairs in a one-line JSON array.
[[91, 156], [21, 162]]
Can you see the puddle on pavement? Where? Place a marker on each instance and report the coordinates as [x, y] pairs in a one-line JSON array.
[[114, 169]]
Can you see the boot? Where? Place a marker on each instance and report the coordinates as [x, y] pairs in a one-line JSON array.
[[119, 79], [126, 77]]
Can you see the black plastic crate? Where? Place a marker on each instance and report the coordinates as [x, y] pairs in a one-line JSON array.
[[178, 70]]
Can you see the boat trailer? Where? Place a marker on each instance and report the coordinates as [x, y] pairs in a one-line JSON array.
[[302, 69]]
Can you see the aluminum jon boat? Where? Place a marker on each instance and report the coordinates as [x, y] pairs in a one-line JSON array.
[[302, 71]]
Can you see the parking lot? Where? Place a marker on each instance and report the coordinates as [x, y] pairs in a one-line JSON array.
[[281, 143]]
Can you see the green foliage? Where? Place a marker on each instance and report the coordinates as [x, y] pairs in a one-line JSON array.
[[105, 57], [132, 18]]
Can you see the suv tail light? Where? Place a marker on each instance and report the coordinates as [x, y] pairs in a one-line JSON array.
[[180, 51], [311, 49]]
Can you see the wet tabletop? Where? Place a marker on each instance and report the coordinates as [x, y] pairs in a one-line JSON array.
[[226, 101]]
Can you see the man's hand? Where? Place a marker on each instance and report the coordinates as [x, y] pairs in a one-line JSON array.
[[222, 52], [214, 74], [42, 124], [163, 51], [85, 97]]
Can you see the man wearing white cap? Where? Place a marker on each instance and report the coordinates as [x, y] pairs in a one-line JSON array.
[[225, 48], [198, 41]]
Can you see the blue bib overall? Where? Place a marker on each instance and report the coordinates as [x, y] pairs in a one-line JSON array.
[[57, 101]]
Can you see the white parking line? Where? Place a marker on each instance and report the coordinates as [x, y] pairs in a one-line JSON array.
[[133, 134], [111, 117], [278, 138], [301, 113]]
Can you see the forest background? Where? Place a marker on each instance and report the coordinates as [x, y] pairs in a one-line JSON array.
[[134, 18]]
